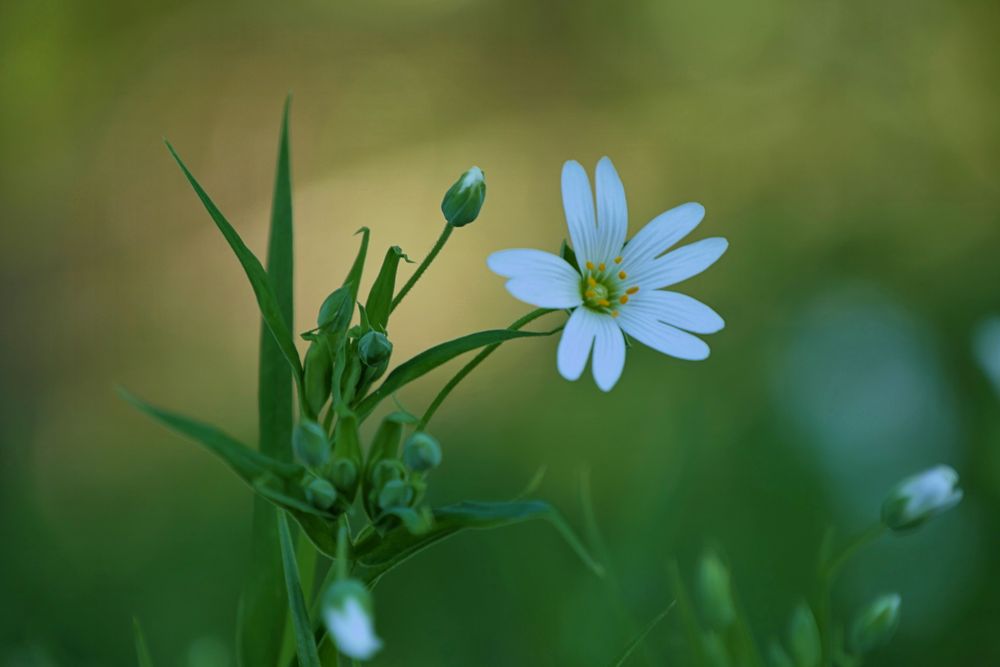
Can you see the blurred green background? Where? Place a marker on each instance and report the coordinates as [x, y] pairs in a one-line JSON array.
[[848, 150]]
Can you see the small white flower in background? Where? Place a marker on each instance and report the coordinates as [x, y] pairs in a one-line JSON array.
[[347, 612], [921, 497], [615, 286], [986, 345]]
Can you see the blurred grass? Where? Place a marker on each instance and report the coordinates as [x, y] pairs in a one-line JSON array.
[[844, 148]]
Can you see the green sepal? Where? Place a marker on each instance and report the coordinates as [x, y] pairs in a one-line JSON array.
[[430, 359], [385, 445], [353, 280], [377, 556], [568, 254], [379, 300], [318, 373]]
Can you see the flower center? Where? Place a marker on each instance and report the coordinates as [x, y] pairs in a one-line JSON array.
[[603, 288]]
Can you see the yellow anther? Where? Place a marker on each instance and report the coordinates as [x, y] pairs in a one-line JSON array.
[[591, 281], [632, 290], [622, 275], [618, 259], [601, 267], [590, 294], [614, 313], [623, 299], [604, 303], [590, 266]]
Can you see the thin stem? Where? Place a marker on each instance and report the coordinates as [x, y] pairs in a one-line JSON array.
[[343, 538], [829, 567], [423, 266], [469, 367]]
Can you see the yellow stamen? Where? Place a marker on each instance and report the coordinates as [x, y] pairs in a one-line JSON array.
[[632, 290], [591, 281], [614, 313], [604, 303], [623, 299], [590, 294], [622, 275], [618, 259], [590, 266], [600, 267]]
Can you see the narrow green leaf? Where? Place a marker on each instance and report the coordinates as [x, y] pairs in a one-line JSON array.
[[380, 296], [634, 644], [305, 643], [430, 359], [354, 275], [141, 647], [378, 556], [267, 300], [264, 603], [249, 464], [689, 618]]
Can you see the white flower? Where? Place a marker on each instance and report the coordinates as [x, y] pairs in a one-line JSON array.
[[347, 613], [921, 497], [615, 286]]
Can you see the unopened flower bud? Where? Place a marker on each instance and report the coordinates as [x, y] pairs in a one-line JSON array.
[[921, 497], [336, 312], [876, 624], [395, 493], [310, 443], [347, 613], [374, 349], [321, 493], [803, 637], [344, 475], [422, 452], [464, 199], [318, 374], [714, 591]]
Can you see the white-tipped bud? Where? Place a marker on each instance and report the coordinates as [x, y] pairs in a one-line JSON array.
[[347, 613], [876, 624], [464, 199], [921, 497]]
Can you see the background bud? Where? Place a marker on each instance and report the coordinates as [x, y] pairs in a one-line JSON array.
[[921, 497], [395, 493], [875, 625], [464, 199], [374, 349], [344, 475], [310, 443], [714, 592], [803, 637], [422, 452], [347, 613], [321, 493], [336, 312]]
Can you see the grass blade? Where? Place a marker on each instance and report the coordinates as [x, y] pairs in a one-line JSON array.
[[141, 647], [354, 275], [267, 300], [304, 640], [264, 603], [634, 644], [380, 297], [430, 359]]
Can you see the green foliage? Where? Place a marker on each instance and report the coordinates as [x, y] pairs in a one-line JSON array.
[[141, 647], [641, 637], [379, 301], [305, 642]]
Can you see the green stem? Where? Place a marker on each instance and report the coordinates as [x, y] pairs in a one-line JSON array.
[[343, 546], [828, 570], [469, 367], [423, 266]]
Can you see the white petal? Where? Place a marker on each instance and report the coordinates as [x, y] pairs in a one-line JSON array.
[[578, 203], [575, 344], [545, 292], [661, 233], [352, 629], [661, 337], [612, 212], [521, 262], [679, 264], [678, 310], [609, 353]]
